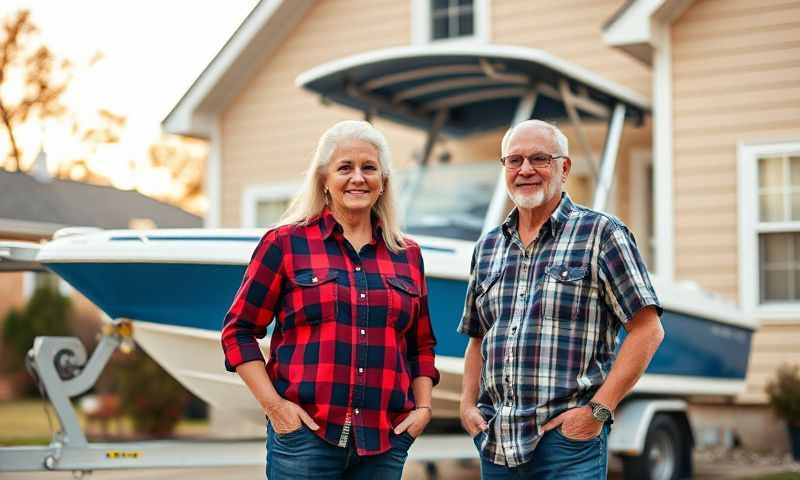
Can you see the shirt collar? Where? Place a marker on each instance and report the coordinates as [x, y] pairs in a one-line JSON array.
[[328, 225], [554, 223]]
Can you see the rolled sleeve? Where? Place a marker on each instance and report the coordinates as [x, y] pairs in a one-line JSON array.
[[624, 276], [253, 307], [420, 339]]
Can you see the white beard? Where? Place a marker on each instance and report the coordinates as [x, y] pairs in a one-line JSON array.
[[537, 198]]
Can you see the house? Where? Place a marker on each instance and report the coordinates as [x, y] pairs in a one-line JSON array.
[[34, 208], [707, 184]]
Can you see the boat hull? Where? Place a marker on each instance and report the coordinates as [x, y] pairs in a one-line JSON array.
[[178, 308]]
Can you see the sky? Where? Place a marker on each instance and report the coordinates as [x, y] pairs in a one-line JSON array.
[[152, 52]]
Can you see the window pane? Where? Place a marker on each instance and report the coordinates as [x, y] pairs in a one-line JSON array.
[[440, 29], [465, 3], [776, 249], [796, 206], [268, 212], [771, 207], [794, 167], [770, 172], [776, 285], [466, 25], [439, 4]]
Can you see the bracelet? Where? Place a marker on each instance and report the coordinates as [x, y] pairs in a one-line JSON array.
[[425, 406]]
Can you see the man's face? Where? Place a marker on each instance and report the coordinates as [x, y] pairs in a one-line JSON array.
[[531, 187]]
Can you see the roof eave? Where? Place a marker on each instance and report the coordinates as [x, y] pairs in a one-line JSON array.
[[633, 29], [235, 64]]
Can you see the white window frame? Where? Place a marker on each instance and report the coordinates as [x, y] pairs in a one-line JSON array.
[[421, 24], [749, 228], [256, 193]]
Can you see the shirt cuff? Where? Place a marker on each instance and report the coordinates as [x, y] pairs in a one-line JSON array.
[[424, 369], [246, 353]]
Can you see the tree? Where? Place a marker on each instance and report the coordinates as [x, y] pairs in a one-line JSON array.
[[181, 161], [43, 78]]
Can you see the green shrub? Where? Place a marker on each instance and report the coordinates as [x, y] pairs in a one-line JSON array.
[[46, 313], [784, 394], [153, 399]]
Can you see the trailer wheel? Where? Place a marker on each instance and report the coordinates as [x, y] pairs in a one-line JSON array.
[[663, 454]]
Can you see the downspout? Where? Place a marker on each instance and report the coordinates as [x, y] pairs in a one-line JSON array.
[[664, 218]]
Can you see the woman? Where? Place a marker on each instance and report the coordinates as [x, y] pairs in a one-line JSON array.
[[348, 383]]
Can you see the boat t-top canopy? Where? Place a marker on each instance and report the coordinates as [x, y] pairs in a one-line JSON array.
[[479, 86], [469, 89]]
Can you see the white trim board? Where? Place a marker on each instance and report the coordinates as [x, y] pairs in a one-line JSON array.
[[748, 153]]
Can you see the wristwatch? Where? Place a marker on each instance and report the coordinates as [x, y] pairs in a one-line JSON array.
[[601, 413]]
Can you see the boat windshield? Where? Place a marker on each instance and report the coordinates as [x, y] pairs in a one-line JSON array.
[[449, 200]]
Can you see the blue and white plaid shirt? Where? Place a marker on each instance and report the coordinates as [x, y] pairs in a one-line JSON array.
[[549, 318]]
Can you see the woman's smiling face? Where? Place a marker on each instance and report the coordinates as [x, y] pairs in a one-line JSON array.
[[354, 179]]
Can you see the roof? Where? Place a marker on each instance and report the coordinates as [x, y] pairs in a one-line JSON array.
[[479, 86], [261, 32], [35, 208]]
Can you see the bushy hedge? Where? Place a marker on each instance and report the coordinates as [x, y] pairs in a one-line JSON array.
[[46, 313]]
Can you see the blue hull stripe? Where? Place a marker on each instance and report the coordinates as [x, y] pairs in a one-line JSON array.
[[198, 296]]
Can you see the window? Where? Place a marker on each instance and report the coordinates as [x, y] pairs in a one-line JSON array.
[[778, 235], [263, 206], [452, 18], [769, 234], [449, 20]]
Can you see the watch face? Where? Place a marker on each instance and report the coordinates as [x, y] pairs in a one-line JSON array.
[[601, 413]]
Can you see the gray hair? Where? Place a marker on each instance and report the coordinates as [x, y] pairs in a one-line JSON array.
[[560, 138], [310, 200]]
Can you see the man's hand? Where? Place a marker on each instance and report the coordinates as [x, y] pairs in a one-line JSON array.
[[286, 417], [472, 421], [414, 423], [576, 424]]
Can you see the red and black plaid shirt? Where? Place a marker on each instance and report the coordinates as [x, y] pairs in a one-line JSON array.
[[352, 330]]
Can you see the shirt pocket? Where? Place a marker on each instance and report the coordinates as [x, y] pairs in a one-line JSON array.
[[402, 301], [312, 298], [568, 293]]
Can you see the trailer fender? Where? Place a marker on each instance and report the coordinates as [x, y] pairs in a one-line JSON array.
[[631, 421]]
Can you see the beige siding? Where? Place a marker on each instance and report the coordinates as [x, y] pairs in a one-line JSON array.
[[736, 78]]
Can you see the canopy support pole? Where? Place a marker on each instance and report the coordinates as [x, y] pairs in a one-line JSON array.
[[572, 111], [609, 160]]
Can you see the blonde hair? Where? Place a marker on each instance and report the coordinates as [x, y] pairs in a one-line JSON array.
[[310, 200]]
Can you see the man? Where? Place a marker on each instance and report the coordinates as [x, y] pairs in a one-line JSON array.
[[549, 290]]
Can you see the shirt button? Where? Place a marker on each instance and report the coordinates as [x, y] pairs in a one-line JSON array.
[[360, 370], [314, 280], [357, 411], [563, 273], [363, 332], [363, 295], [358, 269]]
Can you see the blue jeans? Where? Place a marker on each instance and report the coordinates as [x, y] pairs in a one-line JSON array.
[[556, 457], [302, 455]]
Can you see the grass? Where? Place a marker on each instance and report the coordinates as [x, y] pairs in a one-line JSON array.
[[779, 476], [24, 422]]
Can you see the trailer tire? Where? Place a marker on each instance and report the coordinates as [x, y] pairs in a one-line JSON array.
[[663, 454]]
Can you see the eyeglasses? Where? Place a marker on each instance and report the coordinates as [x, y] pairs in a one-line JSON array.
[[537, 160]]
